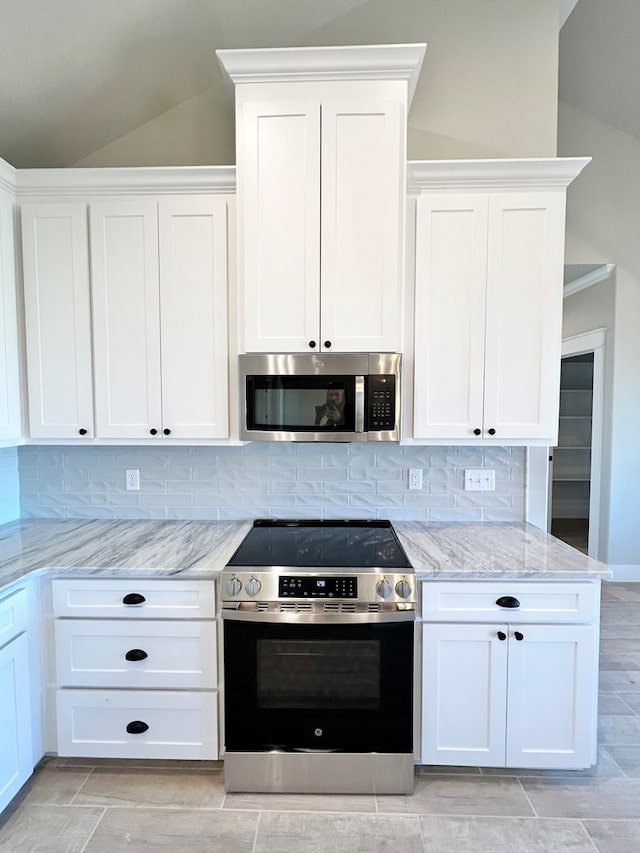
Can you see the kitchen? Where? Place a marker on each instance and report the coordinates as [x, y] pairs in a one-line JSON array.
[[304, 460]]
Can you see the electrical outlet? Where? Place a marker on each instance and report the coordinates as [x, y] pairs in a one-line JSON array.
[[132, 479], [479, 480], [415, 478]]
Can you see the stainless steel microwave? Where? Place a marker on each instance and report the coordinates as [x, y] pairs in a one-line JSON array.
[[320, 397]]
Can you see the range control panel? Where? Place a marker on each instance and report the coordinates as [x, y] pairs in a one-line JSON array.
[[317, 587]]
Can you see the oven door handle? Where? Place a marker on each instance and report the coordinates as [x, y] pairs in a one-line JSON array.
[[319, 618]]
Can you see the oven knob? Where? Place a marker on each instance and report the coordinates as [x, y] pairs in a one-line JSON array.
[[403, 588], [234, 586], [383, 588], [253, 586]]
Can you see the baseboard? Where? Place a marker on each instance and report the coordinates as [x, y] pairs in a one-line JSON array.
[[625, 573]]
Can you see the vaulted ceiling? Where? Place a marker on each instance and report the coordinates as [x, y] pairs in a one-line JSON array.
[[78, 74]]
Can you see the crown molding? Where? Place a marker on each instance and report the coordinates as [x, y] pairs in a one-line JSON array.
[[7, 176], [588, 280], [131, 180], [302, 64], [529, 173]]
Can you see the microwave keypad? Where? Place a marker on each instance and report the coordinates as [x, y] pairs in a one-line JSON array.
[[382, 394]]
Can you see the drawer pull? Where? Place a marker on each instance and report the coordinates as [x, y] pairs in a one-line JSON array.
[[137, 727], [502, 635], [518, 635], [508, 601], [136, 654], [134, 598]]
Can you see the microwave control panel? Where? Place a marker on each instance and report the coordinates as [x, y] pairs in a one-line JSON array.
[[381, 401]]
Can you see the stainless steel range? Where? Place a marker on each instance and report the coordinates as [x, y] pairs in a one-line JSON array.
[[318, 659]]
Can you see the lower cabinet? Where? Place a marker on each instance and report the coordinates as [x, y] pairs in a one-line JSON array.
[[16, 754], [135, 685], [511, 693]]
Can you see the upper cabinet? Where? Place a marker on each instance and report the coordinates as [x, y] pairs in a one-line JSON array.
[[489, 259], [321, 148], [10, 408]]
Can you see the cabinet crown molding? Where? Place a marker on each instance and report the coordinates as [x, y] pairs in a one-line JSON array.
[[119, 181], [7, 176], [302, 64], [529, 173]]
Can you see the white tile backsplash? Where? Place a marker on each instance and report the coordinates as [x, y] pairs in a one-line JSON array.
[[9, 485], [282, 480]]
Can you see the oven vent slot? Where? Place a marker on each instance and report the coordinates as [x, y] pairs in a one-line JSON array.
[[339, 607], [374, 608], [262, 606], [296, 607]]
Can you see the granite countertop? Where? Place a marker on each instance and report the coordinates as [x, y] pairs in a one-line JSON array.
[[200, 549]]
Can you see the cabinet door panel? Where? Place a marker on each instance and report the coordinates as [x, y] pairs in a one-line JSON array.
[[124, 266], [551, 707], [362, 213], [279, 193], [451, 233], [55, 240], [193, 294], [16, 761], [464, 681], [524, 315], [10, 419]]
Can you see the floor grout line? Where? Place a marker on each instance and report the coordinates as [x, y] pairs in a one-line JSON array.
[[92, 833]]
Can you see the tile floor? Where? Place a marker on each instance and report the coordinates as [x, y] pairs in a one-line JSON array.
[[74, 806]]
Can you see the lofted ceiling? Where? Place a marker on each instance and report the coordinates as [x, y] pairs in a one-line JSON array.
[[76, 75]]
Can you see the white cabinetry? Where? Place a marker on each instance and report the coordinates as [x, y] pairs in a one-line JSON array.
[[159, 279], [515, 690], [488, 299], [141, 681], [16, 754], [55, 248], [321, 140], [10, 414]]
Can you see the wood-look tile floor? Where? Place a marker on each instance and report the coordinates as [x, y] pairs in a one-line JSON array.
[[82, 806]]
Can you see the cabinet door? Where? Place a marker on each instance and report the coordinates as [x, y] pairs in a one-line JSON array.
[[279, 218], [524, 315], [464, 683], [362, 192], [16, 760], [126, 311], [451, 245], [10, 419], [55, 242], [193, 299], [551, 709]]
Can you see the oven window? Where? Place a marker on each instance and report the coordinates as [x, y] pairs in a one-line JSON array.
[[319, 674], [301, 403]]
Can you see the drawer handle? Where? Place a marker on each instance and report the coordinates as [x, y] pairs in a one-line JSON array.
[[508, 601], [137, 727], [136, 654], [502, 635], [518, 635], [134, 598]]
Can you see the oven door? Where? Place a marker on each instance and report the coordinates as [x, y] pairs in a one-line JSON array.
[[309, 686]]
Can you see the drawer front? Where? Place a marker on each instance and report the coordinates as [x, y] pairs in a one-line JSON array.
[[476, 601], [13, 615], [93, 724], [134, 599], [112, 653]]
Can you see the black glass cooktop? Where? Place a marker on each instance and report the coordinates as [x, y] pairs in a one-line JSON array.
[[307, 544]]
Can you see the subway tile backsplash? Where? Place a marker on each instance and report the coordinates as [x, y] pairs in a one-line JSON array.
[[282, 480], [9, 485]]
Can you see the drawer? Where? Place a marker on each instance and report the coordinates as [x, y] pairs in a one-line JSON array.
[[175, 655], [13, 615], [93, 723], [126, 598], [476, 601]]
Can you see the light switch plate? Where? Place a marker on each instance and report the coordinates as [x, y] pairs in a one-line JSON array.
[[479, 480]]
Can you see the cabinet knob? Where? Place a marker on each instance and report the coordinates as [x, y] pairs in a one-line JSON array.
[[508, 601], [136, 654], [491, 431], [82, 431], [327, 344], [518, 635], [502, 635], [133, 598], [137, 727], [166, 431], [312, 344], [477, 431], [153, 431]]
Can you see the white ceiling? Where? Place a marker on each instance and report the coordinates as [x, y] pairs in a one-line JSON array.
[[78, 74]]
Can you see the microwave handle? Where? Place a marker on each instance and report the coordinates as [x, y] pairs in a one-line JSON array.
[[359, 404]]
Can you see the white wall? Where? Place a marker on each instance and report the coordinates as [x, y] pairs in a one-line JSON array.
[[488, 88], [603, 225]]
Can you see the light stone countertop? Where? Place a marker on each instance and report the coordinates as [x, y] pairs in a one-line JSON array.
[[200, 549]]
